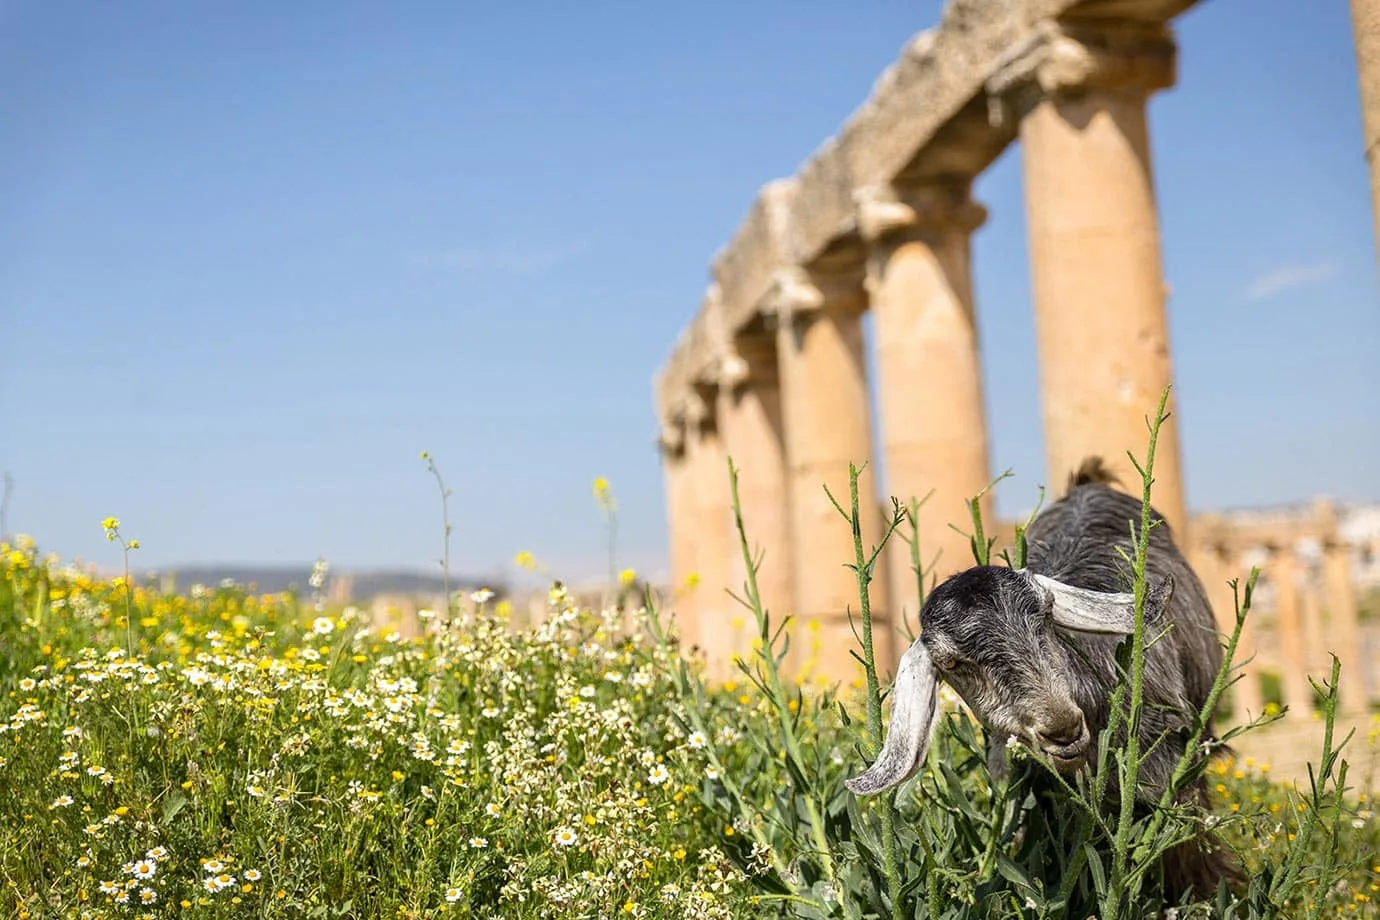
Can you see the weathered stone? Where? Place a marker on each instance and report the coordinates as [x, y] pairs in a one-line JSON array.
[[929, 371], [692, 359], [1365, 26], [750, 422], [824, 405], [934, 81], [745, 268], [822, 209], [1098, 283]]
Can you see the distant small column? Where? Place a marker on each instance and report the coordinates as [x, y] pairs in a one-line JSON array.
[[1218, 569], [1293, 651], [1095, 260], [749, 412], [1365, 25], [929, 371], [824, 402], [1311, 616], [1343, 632]]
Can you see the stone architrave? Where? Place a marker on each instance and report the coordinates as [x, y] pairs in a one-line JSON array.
[[749, 413], [1365, 26], [1293, 647], [929, 372], [1343, 628], [824, 404], [1096, 267]]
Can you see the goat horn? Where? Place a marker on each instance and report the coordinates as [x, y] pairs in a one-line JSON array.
[[913, 701], [1106, 612]]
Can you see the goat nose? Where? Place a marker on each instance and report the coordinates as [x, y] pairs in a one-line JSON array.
[[1061, 731]]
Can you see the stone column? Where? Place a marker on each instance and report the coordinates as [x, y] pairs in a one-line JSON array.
[[824, 405], [710, 500], [1293, 652], [677, 471], [1098, 282], [1365, 24], [929, 371], [1217, 570], [1343, 632], [749, 412], [1311, 618]]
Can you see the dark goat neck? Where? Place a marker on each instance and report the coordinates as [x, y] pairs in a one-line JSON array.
[[1075, 539]]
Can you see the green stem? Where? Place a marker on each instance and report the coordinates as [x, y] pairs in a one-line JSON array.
[[694, 698], [445, 538], [916, 564], [1118, 883], [863, 566], [773, 684]]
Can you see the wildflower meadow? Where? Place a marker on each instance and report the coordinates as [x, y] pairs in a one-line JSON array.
[[226, 754]]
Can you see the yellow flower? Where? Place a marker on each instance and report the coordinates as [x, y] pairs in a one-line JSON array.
[[602, 491], [111, 523], [525, 560], [627, 577]]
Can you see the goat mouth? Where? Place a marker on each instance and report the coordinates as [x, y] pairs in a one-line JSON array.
[[1067, 758]]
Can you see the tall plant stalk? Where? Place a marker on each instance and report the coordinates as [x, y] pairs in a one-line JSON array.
[[446, 528], [1129, 761], [768, 679], [863, 566]]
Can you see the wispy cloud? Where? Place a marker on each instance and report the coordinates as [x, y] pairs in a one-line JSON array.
[[1287, 277], [498, 258]]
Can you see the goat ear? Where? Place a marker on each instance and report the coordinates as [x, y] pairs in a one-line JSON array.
[[1108, 612], [913, 701]]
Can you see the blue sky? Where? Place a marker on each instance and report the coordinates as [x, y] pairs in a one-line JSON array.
[[255, 256]]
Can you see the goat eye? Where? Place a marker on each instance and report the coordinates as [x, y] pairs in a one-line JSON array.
[[946, 662]]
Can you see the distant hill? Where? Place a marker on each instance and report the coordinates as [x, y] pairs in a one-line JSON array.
[[360, 586]]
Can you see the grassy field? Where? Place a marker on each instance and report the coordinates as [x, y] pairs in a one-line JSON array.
[[231, 755], [224, 754]]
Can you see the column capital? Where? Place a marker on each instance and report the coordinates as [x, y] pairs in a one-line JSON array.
[[670, 440], [731, 370], [747, 361], [798, 293], [1069, 58], [888, 209], [695, 410]]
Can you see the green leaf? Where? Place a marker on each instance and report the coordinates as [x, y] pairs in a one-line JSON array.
[[174, 803]]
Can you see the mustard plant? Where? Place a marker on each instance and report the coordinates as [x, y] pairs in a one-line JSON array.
[[113, 534]]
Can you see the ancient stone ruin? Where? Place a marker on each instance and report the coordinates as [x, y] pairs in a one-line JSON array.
[[772, 368]]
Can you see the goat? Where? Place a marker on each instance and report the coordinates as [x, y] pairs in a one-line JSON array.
[[1032, 652]]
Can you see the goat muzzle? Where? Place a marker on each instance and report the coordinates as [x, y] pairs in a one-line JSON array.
[[1067, 749]]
